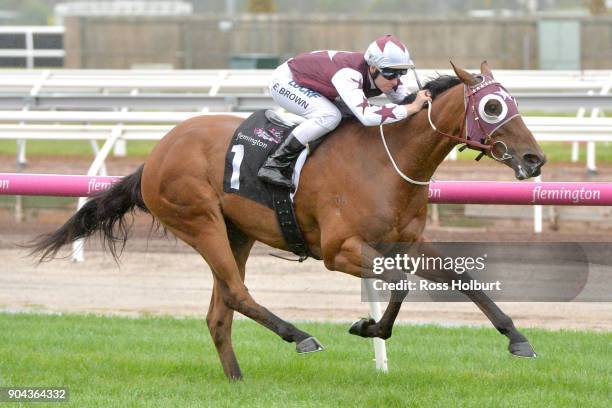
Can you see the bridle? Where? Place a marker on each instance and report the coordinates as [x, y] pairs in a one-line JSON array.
[[486, 143], [471, 116]]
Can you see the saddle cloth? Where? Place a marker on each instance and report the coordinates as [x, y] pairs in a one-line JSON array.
[[252, 143]]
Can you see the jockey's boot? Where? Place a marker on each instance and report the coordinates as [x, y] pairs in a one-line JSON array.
[[271, 171]]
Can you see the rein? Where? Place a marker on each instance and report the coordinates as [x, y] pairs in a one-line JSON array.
[[397, 169], [468, 143]]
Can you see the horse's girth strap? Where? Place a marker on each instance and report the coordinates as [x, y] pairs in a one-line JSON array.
[[283, 206]]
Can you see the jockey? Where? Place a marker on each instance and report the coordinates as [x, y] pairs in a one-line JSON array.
[[317, 85]]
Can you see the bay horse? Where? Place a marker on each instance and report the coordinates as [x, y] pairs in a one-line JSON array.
[[349, 195]]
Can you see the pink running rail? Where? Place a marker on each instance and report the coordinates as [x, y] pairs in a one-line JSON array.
[[53, 184], [447, 192]]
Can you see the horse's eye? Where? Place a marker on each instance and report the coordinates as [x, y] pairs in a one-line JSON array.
[[493, 107]]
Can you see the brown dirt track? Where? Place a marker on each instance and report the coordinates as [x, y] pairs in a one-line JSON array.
[[162, 276]]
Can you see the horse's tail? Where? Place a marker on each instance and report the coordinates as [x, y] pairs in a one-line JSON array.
[[104, 212]]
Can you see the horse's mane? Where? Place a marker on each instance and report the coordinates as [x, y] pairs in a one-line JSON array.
[[436, 86]]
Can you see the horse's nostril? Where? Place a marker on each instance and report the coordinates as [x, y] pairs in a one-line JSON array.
[[533, 160]]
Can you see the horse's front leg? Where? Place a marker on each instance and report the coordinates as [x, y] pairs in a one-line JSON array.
[[519, 345], [356, 258]]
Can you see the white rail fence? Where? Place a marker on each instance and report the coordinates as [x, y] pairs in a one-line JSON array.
[[216, 82], [194, 92], [550, 102], [112, 127], [27, 124], [246, 90]]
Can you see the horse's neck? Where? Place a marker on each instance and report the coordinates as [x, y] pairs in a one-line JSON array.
[[417, 149]]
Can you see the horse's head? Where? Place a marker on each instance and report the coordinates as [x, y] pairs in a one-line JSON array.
[[492, 118]]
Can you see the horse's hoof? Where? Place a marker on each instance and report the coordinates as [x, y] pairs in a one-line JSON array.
[[360, 328], [522, 349], [308, 345]]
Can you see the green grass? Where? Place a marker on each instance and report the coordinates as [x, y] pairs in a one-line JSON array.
[[70, 148], [559, 152], [68, 203], [555, 151], [172, 363]]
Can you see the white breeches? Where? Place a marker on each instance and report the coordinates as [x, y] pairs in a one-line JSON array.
[[321, 114]]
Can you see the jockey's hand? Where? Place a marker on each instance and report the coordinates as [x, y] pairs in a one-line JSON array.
[[422, 97]]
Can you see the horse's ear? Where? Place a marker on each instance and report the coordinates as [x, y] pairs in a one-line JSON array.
[[464, 76], [485, 69]]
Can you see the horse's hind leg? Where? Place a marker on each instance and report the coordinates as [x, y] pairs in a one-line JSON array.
[[212, 242], [219, 318], [219, 321]]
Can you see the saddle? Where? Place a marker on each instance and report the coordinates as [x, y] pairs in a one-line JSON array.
[[254, 140]]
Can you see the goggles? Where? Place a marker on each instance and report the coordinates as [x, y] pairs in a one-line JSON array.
[[392, 73]]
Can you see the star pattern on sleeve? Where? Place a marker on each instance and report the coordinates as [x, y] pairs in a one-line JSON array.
[[359, 83], [363, 105], [385, 113]]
